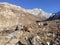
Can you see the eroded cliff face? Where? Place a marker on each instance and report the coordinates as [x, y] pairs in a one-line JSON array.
[[18, 27]]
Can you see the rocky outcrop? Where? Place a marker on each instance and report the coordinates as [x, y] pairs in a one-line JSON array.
[[36, 33]]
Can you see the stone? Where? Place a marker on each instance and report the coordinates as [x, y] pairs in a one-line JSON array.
[[18, 27]]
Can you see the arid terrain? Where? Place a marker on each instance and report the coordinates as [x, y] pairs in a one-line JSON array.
[[19, 26]]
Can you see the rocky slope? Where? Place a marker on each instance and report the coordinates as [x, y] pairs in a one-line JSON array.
[[19, 27], [11, 15], [37, 33]]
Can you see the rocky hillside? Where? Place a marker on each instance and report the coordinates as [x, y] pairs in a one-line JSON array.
[[37, 33], [11, 15], [19, 27]]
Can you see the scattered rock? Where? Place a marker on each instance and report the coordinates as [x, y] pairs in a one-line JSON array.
[[18, 27]]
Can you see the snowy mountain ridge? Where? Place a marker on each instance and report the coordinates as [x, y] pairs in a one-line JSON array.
[[39, 12]]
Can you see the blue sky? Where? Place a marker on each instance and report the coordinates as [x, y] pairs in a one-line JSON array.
[[49, 6]]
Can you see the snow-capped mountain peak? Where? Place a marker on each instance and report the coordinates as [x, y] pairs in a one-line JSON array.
[[39, 12]]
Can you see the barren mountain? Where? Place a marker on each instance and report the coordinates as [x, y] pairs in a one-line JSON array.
[[39, 12], [11, 15], [54, 16], [19, 27]]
